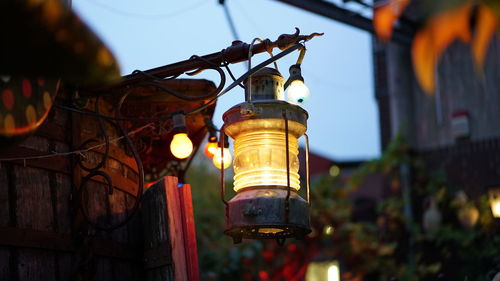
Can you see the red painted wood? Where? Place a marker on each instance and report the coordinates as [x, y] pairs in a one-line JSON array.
[[189, 232], [175, 222]]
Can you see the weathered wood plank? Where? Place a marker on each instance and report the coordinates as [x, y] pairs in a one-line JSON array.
[[63, 209], [175, 223], [4, 196], [96, 203], [35, 265], [156, 229], [34, 208], [4, 221], [34, 211], [4, 263], [104, 270], [189, 232], [118, 212], [64, 266]]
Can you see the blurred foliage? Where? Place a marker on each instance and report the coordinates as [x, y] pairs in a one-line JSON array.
[[391, 245], [440, 24]]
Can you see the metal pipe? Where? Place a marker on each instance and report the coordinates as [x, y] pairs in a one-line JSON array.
[[235, 53]]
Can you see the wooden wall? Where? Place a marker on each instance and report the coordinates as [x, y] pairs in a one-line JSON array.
[[41, 235]]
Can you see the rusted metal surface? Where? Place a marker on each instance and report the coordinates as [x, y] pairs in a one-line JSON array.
[[254, 210]]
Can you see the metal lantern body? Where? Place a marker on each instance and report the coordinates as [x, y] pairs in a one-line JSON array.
[[266, 165]]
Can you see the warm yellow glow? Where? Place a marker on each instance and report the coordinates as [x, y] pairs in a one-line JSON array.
[[495, 207], [260, 159], [217, 160], [297, 92], [323, 271], [210, 149], [270, 230], [495, 202], [328, 230], [260, 153], [334, 171], [333, 273], [181, 146]]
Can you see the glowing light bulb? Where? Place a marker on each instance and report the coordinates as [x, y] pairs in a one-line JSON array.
[[217, 160], [211, 149], [181, 146], [297, 92], [495, 202]]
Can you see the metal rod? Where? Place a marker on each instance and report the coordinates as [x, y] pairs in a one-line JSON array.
[[287, 203], [248, 92], [308, 176], [235, 53], [222, 180]]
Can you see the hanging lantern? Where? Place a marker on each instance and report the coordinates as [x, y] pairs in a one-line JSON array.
[[265, 130]]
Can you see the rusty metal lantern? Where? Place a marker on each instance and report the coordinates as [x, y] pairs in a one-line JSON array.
[[265, 129]]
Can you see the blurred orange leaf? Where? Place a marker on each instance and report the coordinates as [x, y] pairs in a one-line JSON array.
[[430, 42], [424, 60], [485, 29], [385, 15]]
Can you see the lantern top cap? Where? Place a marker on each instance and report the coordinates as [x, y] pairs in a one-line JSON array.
[[267, 71]]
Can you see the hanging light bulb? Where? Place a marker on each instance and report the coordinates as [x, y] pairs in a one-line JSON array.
[[297, 91], [211, 147], [218, 156], [181, 146], [217, 160], [495, 202]]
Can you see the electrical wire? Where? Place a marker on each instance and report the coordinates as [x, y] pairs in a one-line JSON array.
[[78, 151], [200, 108], [149, 16], [230, 21]]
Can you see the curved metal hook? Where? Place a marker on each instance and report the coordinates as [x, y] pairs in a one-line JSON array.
[[286, 40]]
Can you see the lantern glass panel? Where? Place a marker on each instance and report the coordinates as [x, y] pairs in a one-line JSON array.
[[260, 153]]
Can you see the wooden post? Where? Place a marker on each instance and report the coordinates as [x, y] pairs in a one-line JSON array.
[[170, 252]]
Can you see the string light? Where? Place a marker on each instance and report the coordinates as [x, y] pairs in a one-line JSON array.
[[181, 146], [218, 156], [79, 151], [211, 147], [297, 92]]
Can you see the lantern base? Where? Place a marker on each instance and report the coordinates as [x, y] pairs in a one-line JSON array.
[[260, 213]]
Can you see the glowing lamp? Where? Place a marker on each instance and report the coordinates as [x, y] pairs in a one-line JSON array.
[[181, 146], [323, 271], [495, 202], [211, 147], [297, 91], [218, 157], [266, 165]]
